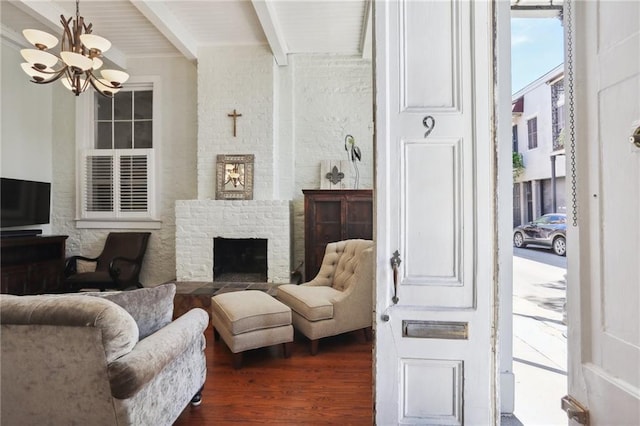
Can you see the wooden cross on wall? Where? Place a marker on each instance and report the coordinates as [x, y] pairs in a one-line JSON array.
[[235, 116]]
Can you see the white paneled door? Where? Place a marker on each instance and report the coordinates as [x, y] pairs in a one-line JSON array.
[[436, 214], [603, 284]]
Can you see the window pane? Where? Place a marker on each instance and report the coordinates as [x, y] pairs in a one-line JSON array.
[[103, 137], [143, 134], [122, 137], [122, 103], [143, 104], [103, 107]]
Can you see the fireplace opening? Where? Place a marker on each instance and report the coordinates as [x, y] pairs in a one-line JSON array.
[[240, 259]]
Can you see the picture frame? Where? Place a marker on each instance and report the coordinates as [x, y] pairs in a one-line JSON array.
[[234, 176]]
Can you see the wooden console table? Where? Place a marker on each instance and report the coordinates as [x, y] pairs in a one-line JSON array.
[[32, 265]]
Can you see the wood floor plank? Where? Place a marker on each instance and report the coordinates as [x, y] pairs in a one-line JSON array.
[[333, 387]]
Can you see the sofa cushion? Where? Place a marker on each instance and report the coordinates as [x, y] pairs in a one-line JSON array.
[[150, 307], [315, 303]]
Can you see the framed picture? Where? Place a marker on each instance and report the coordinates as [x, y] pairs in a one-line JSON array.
[[234, 177]]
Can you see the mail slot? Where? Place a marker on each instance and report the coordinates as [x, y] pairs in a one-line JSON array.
[[435, 329]]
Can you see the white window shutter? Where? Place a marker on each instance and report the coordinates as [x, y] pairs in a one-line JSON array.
[[99, 186], [116, 184], [134, 183]]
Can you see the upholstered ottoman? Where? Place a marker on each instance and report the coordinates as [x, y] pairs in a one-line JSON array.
[[251, 319]]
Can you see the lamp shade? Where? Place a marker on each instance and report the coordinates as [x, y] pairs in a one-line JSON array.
[[35, 74], [76, 60], [95, 42], [97, 63], [105, 87], [40, 39], [39, 58], [66, 82], [115, 77]]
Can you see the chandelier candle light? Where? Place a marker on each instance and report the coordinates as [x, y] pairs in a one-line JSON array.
[[80, 53]]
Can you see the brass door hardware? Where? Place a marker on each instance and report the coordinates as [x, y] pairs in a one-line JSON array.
[[575, 411]]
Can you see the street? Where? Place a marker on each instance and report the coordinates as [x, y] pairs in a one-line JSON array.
[[539, 336]]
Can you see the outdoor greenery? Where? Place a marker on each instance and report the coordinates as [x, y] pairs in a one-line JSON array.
[[518, 165]]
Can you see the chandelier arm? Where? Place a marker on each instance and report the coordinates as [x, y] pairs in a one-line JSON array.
[[95, 86], [66, 33], [86, 82], [104, 83], [52, 79], [44, 71]]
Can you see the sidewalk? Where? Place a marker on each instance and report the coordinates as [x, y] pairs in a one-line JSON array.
[[539, 347]]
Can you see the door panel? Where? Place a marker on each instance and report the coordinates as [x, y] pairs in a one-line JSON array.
[[421, 23], [434, 205], [603, 274]]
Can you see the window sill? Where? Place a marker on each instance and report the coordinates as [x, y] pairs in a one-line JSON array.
[[118, 224]]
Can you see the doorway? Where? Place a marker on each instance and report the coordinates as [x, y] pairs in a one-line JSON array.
[[539, 275]]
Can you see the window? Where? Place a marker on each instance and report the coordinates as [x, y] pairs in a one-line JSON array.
[[514, 138], [560, 113], [532, 132], [117, 158]]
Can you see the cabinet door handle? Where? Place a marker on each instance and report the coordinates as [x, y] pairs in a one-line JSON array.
[[395, 262]]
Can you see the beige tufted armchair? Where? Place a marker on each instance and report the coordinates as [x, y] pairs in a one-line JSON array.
[[340, 298]]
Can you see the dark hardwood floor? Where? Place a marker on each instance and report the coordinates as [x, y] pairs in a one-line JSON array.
[[333, 387]]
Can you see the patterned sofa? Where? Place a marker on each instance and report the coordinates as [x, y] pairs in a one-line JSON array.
[[117, 358]]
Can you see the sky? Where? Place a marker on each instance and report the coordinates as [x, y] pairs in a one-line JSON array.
[[536, 48]]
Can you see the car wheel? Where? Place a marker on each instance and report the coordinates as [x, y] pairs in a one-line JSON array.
[[518, 240], [560, 246]]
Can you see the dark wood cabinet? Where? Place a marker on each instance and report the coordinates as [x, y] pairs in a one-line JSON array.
[[334, 215], [32, 265]]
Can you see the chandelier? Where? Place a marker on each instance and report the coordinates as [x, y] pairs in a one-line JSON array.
[[79, 59]]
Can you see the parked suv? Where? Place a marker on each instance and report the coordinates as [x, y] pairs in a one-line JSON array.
[[548, 230]]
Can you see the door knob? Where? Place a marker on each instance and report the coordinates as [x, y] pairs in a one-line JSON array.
[[635, 137]]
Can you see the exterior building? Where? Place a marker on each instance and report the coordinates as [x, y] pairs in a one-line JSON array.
[[537, 137]]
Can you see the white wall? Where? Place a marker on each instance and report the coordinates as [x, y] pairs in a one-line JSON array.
[[177, 175], [332, 97], [293, 117], [26, 128], [240, 78]]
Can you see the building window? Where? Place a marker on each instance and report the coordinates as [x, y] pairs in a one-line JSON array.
[[532, 132], [514, 138], [560, 112], [117, 163]]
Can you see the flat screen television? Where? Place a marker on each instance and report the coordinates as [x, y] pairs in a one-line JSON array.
[[24, 202]]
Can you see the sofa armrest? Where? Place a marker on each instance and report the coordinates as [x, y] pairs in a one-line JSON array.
[[130, 372]]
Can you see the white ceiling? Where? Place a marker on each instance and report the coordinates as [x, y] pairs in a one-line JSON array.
[[180, 27]]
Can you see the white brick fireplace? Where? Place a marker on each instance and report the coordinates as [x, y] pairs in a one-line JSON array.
[[198, 222]]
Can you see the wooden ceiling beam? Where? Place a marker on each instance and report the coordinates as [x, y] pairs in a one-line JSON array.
[[166, 22], [272, 30]]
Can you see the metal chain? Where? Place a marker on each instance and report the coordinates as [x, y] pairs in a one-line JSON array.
[[568, 17]]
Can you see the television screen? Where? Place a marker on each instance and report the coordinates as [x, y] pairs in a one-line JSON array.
[[24, 202]]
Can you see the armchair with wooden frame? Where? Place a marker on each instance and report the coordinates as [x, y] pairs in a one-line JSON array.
[[117, 267]]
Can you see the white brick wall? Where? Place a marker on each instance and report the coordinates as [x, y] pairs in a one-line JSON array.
[[176, 175], [241, 78], [198, 222], [333, 97]]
